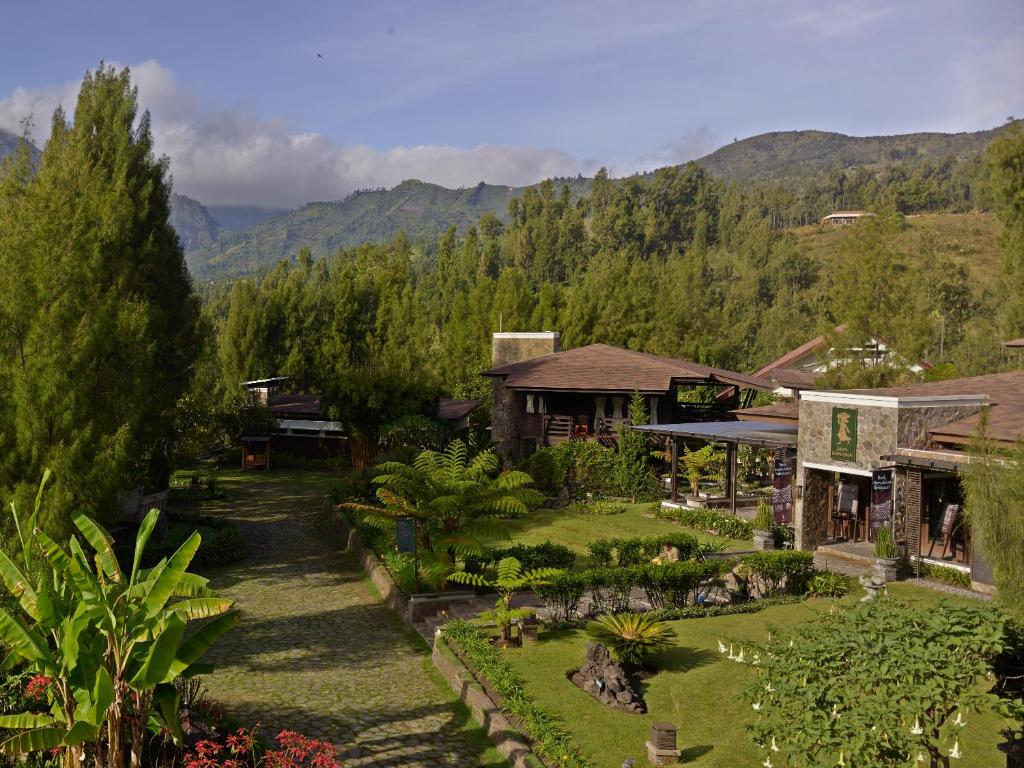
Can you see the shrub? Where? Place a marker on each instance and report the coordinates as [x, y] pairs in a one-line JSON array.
[[828, 584], [584, 467], [562, 594], [402, 568], [222, 543], [678, 584], [631, 637], [354, 485], [603, 508], [640, 550], [952, 576], [773, 568], [532, 556], [550, 740], [709, 521]]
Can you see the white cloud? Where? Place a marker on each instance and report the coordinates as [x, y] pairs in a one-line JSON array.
[[231, 156], [839, 19]]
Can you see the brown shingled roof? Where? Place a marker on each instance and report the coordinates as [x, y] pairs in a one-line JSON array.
[[603, 368], [786, 412], [450, 409], [1005, 392], [1015, 344]]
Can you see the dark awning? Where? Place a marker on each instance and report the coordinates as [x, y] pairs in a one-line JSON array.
[[763, 433], [924, 462]]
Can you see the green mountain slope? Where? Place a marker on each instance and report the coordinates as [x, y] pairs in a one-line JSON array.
[[419, 209], [9, 142], [789, 154]]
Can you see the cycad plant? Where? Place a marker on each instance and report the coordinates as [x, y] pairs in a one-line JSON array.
[[703, 464], [631, 637], [510, 578], [110, 642], [455, 500]]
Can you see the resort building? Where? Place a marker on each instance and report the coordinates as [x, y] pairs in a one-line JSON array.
[[543, 395], [844, 217]]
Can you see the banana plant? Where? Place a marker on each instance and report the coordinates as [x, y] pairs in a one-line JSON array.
[[112, 643], [510, 578]]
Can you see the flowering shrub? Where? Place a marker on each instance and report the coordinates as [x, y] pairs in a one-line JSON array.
[[37, 688], [239, 750]]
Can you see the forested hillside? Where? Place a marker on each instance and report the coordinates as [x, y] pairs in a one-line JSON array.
[[195, 226], [797, 176]]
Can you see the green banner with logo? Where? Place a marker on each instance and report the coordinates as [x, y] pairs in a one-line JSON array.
[[844, 434]]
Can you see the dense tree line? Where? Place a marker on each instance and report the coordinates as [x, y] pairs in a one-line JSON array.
[[674, 263]]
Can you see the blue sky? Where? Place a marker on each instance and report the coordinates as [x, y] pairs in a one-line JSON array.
[[507, 92]]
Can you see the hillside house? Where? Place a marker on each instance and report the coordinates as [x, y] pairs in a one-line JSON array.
[[837, 218]]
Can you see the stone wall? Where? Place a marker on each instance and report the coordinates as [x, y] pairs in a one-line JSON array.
[[915, 423], [812, 519], [876, 434], [508, 348]]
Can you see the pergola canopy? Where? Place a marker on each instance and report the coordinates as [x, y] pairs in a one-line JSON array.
[[762, 433]]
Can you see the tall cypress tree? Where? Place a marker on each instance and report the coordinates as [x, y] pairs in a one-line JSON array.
[[106, 347]]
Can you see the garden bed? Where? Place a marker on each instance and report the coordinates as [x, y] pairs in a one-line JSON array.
[[697, 688]]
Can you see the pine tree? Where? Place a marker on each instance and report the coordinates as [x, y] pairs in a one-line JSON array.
[[99, 359]]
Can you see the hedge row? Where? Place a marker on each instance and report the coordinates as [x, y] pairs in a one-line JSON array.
[[772, 571], [610, 589], [709, 521], [699, 611], [638, 550], [549, 738], [546, 555]]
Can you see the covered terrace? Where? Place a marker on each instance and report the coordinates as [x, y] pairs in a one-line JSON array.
[[778, 437]]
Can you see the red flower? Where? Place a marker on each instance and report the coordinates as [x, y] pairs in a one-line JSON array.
[[37, 688]]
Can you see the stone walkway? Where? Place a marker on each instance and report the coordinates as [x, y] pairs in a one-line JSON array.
[[318, 652]]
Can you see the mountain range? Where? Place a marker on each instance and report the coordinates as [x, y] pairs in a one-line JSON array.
[[224, 242]]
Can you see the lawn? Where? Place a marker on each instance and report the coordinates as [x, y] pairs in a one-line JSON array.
[[698, 690], [575, 530]]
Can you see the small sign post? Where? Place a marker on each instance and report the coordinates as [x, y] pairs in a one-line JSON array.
[[782, 491], [405, 536], [881, 501]]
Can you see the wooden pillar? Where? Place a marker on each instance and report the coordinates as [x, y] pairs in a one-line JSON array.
[[674, 468], [731, 475]]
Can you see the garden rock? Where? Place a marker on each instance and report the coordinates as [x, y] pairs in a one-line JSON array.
[[607, 681]]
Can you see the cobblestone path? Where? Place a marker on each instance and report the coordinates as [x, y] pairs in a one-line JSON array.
[[317, 651]]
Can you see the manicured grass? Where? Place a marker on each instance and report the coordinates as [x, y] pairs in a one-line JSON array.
[[576, 530], [698, 690]]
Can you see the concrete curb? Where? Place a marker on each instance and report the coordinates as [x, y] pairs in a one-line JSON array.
[[506, 738]]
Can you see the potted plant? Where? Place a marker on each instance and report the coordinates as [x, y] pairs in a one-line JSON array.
[[887, 553], [764, 520]]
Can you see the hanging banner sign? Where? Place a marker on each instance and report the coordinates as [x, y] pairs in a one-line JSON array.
[[405, 534], [881, 500], [782, 491]]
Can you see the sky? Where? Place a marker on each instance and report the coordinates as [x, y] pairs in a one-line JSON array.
[[280, 103]]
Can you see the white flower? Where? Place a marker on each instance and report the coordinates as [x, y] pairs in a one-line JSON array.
[[767, 762], [920, 757], [790, 643], [836, 715], [916, 729], [721, 647], [955, 752], [757, 659], [842, 758], [768, 687], [774, 747], [757, 706], [959, 722], [740, 657], [732, 656]]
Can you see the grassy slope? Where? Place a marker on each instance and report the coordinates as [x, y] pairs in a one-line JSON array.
[[700, 692], [966, 238], [576, 530]]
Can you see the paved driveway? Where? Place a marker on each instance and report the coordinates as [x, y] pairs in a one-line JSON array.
[[317, 651]]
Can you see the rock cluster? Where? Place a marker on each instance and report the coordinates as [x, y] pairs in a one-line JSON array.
[[607, 681]]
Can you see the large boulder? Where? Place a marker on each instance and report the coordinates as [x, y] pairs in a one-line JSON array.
[[607, 681]]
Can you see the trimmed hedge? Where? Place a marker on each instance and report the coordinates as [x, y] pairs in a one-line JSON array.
[[546, 555], [609, 589], [952, 576], [549, 738], [772, 569], [700, 611], [221, 542], [708, 520], [639, 550]]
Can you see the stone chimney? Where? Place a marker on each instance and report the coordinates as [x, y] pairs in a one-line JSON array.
[[514, 347]]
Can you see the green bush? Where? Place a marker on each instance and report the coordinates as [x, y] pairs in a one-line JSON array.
[[764, 520], [583, 466], [828, 584], [708, 520], [562, 594], [639, 550], [354, 485], [771, 569], [631, 637], [531, 557], [885, 544], [602, 508], [696, 611], [402, 568], [952, 576], [549, 738], [222, 543], [678, 584]]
